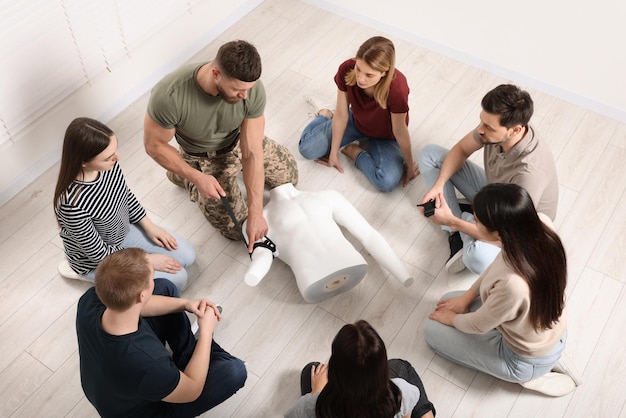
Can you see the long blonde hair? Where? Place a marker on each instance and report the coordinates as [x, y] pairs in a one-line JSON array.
[[379, 53]]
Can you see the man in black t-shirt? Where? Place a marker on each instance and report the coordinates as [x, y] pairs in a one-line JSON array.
[[122, 325]]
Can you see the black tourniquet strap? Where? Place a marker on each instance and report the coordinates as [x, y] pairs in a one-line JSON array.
[[266, 243], [234, 218]]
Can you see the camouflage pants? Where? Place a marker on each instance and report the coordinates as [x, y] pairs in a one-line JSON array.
[[280, 168]]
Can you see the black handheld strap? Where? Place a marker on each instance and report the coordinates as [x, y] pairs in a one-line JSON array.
[[429, 207]]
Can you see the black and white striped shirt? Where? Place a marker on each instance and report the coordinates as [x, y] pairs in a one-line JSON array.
[[95, 218]]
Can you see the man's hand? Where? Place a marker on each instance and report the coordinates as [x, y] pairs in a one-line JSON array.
[[164, 263], [206, 311], [319, 377], [198, 307], [208, 186], [432, 194], [443, 215], [256, 228]]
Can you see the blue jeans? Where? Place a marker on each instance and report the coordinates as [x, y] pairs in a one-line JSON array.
[[227, 374], [185, 254], [382, 163], [477, 255], [487, 353]]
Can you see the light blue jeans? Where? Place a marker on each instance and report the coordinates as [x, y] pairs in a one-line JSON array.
[[487, 353], [477, 255], [185, 254], [382, 163]]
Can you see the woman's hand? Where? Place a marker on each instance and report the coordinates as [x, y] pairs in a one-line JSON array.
[[319, 377], [410, 173], [457, 304], [164, 263], [158, 235], [447, 309], [331, 161], [446, 317]]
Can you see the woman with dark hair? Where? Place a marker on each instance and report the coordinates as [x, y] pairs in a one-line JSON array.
[[511, 322], [98, 214], [359, 381], [373, 106]]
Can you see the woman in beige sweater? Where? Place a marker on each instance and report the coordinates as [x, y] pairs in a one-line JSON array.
[[511, 322]]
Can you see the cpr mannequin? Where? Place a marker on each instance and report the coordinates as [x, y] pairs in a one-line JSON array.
[[305, 228]]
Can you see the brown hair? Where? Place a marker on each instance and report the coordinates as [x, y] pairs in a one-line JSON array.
[[379, 53], [529, 247], [84, 139], [121, 276], [239, 60], [513, 105], [358, 377]]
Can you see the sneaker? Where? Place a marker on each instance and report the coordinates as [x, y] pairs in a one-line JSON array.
[[466, 207], [455, 262], [65, 270], [566, 366], [316, 105], [551, 384]]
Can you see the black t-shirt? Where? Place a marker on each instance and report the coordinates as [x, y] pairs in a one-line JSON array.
[[124, 375]]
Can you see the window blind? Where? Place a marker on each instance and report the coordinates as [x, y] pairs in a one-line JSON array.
[[50, 48]]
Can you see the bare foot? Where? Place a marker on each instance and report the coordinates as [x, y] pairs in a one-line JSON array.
[[325, 112], [352, 150]]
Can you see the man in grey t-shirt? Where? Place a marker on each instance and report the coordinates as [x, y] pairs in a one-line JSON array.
[[512, 154]]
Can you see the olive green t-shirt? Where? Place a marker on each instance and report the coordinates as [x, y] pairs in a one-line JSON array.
[[203, 123]]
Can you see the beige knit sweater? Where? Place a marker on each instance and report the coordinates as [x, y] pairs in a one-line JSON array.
[[506, 303]]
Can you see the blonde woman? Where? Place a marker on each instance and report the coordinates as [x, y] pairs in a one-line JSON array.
[[370, 123]]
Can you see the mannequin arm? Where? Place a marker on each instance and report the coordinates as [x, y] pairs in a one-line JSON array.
[[261, 261], [349, 217]]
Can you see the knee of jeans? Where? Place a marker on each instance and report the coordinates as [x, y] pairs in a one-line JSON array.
[[475, 261], [186, 253], [385, 181], [398, 364], [386, 187], [181, 279], [308, 152], [430, 333], [239, 373], [429, 155]]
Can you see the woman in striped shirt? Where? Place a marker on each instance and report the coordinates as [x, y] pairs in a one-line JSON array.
[[98, 214]]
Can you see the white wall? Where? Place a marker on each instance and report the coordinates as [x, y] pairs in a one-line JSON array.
[[38, 147], [572, 49]]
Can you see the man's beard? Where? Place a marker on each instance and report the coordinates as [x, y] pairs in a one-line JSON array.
[[227, 98]]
